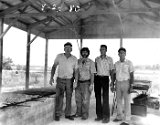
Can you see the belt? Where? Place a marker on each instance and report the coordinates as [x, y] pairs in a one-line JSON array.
[[123, 80], [64, 78], [102, 76], [83, 81]]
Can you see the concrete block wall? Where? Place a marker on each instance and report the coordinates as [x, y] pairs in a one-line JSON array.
[[39, 112]]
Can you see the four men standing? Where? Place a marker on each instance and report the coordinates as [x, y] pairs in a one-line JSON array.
[[85, 73]]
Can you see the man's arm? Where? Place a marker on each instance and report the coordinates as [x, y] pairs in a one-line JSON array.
[[76, 78], [92, 78], [113, 76], [131, 82], [52, 73], [131, 78], [113, 79]]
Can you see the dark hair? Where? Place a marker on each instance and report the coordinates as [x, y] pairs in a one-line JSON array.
[[122, 49], [104, 46], [85, 49], [68, 44]]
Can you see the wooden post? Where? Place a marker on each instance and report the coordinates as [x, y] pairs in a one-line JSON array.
[[1, 52], [81, 45], [46, 63], [121, 42], [27, 60]]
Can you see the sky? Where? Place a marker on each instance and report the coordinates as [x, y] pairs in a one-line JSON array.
[[139, 51]]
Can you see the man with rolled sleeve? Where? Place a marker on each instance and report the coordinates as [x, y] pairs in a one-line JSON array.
[[85, 76], [124, 71], [104, 66], [67, 66]]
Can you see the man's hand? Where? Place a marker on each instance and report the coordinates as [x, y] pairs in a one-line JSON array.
[[130, 89], [91, 88], [74, 85], [112, 87], [51, 81]]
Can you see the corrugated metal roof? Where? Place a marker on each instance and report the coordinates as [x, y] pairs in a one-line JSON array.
[[56, 19]]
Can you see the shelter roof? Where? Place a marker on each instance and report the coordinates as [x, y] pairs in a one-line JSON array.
[[86, 19]]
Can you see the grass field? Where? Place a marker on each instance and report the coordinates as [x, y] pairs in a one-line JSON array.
[[15, 80]]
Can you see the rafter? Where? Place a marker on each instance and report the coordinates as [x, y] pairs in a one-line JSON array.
[[149, 6], [120, 18], [82, 14], [154, 1], [16, 7], [39, 22]]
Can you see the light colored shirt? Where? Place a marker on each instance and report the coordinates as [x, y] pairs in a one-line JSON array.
[[104, 65], [86, 69], [123, 70], [66, 66]]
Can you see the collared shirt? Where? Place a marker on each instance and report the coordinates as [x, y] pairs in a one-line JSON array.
[[86, 69], [66, 66], [123, 70], [104, 65]]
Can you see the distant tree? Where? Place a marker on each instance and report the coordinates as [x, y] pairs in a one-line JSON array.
[[7, 63], [19, 67]]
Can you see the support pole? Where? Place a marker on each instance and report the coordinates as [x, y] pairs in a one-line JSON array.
[[27, 60], [3, 33], [46, 63], [1, 52], [121, 42], [81, 45]]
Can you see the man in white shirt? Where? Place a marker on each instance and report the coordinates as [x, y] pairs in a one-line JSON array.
[[67, 66], [104, 67], [124, 71]]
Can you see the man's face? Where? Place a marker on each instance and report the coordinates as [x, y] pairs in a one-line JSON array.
[[84, 54], [122, 55], [103, 50], [68, 49]]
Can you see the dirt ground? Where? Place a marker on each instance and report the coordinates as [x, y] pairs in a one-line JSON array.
[[152, 118]]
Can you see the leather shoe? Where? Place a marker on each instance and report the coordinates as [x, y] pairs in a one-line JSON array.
[[117, 120], [105, 120], [69, 117], [124, 123], [57, 118], [76, 115], [98, 119], [84, 118]]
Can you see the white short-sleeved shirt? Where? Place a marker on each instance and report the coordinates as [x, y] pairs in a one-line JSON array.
[[66, 66], [86, 69], [104, 65], [123, 70]]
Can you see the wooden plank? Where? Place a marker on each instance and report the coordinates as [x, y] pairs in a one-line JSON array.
[[83, 14], [1, 52], [27, 61], [46, 63], [2, 34], [16, 7], [39, 22]]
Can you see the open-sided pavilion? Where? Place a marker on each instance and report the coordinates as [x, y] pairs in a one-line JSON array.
[[78, 19]]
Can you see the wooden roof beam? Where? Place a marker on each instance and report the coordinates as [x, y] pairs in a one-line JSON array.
[[7, 29], [39, 22], [149, 6], [21, 11], [120, 18], [16, 7], [37, 35], [82, 14]]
